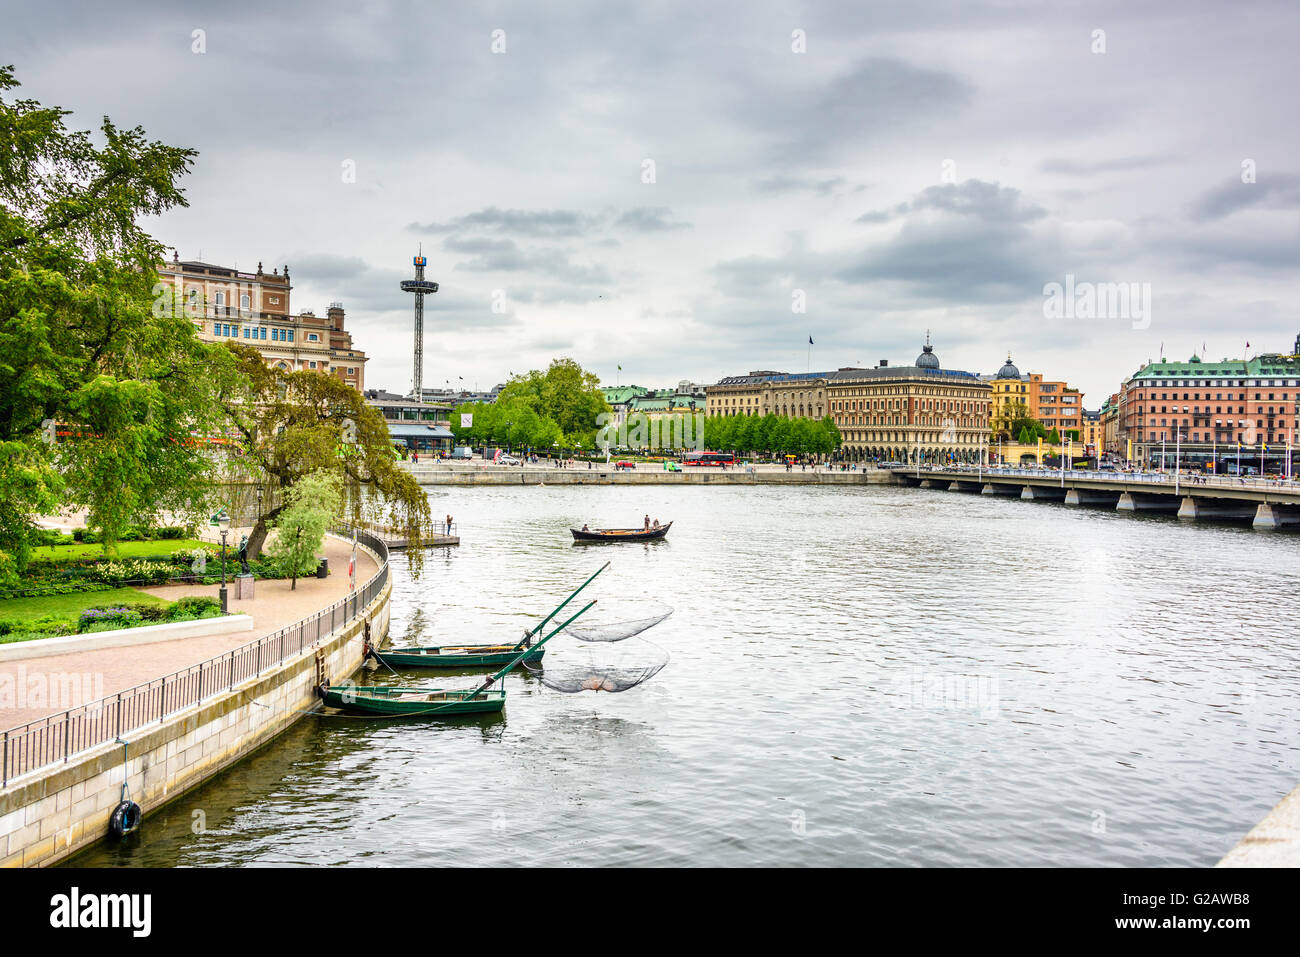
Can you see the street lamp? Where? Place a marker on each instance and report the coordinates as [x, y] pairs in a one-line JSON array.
[[223, 522]]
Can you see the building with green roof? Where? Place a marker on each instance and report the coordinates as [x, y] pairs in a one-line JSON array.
[[1209, 414]]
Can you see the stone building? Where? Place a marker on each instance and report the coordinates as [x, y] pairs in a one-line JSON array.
[[254, 309], [888, 414]]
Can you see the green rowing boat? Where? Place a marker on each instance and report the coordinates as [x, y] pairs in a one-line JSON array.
[[458, 656], [394, 702]]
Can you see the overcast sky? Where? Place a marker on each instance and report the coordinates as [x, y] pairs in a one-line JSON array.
[[921, 165]]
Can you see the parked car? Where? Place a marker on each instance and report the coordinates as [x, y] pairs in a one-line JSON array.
[[508, 460], [624, 465], [462, 452]]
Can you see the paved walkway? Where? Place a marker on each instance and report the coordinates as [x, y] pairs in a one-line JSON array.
[[117, 669]]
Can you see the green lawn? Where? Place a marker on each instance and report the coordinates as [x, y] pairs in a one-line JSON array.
[[159, 548], [71, 606]]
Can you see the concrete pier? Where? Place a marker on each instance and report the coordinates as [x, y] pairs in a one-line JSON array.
[[992, 489], [1077, 496], [1194, 509], [1042, 493], [1275, 516], [1138, 502]]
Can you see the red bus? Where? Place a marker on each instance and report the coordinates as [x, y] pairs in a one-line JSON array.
[[720, 459]]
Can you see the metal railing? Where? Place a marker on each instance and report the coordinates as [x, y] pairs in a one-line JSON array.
[[57, 737], [1185, 479]]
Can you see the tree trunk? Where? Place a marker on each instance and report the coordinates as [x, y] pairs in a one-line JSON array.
[[293, 584]]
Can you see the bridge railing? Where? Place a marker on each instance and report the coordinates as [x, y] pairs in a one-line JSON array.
[[1190, 480]]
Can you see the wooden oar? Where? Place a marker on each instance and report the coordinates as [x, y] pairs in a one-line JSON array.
[[528, 651], [538, 629]]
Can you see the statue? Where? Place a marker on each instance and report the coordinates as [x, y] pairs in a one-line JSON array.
[[243, 556]]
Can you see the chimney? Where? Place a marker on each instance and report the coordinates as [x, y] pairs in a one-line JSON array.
[[335, 316]]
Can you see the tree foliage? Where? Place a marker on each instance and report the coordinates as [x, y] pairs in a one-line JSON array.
[[292, 424], [566, 394], [99, 392], [771, 434], [311, 506]]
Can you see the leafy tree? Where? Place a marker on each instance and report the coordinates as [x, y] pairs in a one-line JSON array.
[[564, 393], [291, 424], [311, 506], [99, 391], [1054, 437]]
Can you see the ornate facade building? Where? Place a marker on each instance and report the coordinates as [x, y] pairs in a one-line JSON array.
[[1053, 403], [889, 413], [1203, 411], [253, 308]]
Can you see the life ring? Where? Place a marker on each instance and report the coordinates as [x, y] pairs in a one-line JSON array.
[[125, 820]]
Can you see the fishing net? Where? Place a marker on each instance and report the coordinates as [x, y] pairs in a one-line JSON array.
[[618, 623], [599, 667]]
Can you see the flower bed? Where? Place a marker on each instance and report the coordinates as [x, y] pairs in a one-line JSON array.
[[110, 618]]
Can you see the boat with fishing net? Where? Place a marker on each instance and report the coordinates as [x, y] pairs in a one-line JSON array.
[[619, 534], [454, 656], [604, 661], [395, 702]]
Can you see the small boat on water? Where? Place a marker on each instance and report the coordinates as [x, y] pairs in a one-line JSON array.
[[457, 656], [394, 702], [619, 534]]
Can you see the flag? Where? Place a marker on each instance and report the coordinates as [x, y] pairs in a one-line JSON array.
[[810, 342]]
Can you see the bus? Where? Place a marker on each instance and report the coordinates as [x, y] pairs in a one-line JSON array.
[[721, 459]]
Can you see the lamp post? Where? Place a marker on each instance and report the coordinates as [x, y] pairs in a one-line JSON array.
[[223, 522]]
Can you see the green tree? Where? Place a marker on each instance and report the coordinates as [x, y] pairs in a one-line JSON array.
[[99, 390], [565, 393], [292, 424], [1054, 437], [311, 506]]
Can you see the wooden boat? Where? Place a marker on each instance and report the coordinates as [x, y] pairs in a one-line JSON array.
[[393, 702], [619, 534], [458, 656]]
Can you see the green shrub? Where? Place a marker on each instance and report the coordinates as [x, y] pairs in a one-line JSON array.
[[78, 534], [52, 625], [106, 619], [194, 606]]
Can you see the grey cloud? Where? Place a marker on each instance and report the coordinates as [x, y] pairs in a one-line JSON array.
[[649, 219], [518, 222], [974, 198], [1121, 164], [1276, 192]]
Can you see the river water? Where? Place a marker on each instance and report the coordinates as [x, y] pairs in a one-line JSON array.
[[858, 676]]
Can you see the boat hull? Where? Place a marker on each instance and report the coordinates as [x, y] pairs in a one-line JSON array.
[[620, 534], [461, 656], [395, 702]]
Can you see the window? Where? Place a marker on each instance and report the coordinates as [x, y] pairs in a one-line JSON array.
[[312, 337], [262, 332], [246, 332], [311, 365], [290, 331], [244, 302], [220, 299]]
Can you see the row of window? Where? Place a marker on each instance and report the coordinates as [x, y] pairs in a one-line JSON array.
[[1241, 397], [233, 331]]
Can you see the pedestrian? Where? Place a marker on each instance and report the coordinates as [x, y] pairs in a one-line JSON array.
[[449, 523]]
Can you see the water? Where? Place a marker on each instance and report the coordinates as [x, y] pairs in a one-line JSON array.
[[865, 676]]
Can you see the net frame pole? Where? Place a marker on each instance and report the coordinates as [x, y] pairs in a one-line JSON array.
[[558, 608], [530, 651]]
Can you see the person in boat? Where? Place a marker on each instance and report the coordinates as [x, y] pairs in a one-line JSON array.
[[656, 523], [585, 528], [647, 522]]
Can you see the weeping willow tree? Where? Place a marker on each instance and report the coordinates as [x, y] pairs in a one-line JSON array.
[[286, 425]]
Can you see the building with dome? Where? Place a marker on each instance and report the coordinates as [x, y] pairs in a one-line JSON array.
[[886, 413], [1053, 403]]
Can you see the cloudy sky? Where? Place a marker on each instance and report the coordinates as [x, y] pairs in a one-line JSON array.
[[693, 190]]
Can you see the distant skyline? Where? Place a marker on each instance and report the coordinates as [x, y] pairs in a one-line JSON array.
[[890, 170]]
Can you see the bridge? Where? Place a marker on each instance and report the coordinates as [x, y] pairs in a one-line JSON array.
[[1264, 502]]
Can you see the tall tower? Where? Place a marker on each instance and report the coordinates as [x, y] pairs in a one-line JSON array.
[[419, 285]]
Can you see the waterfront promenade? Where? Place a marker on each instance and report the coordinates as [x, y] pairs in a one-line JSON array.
[[485, 474], [118, 669]]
